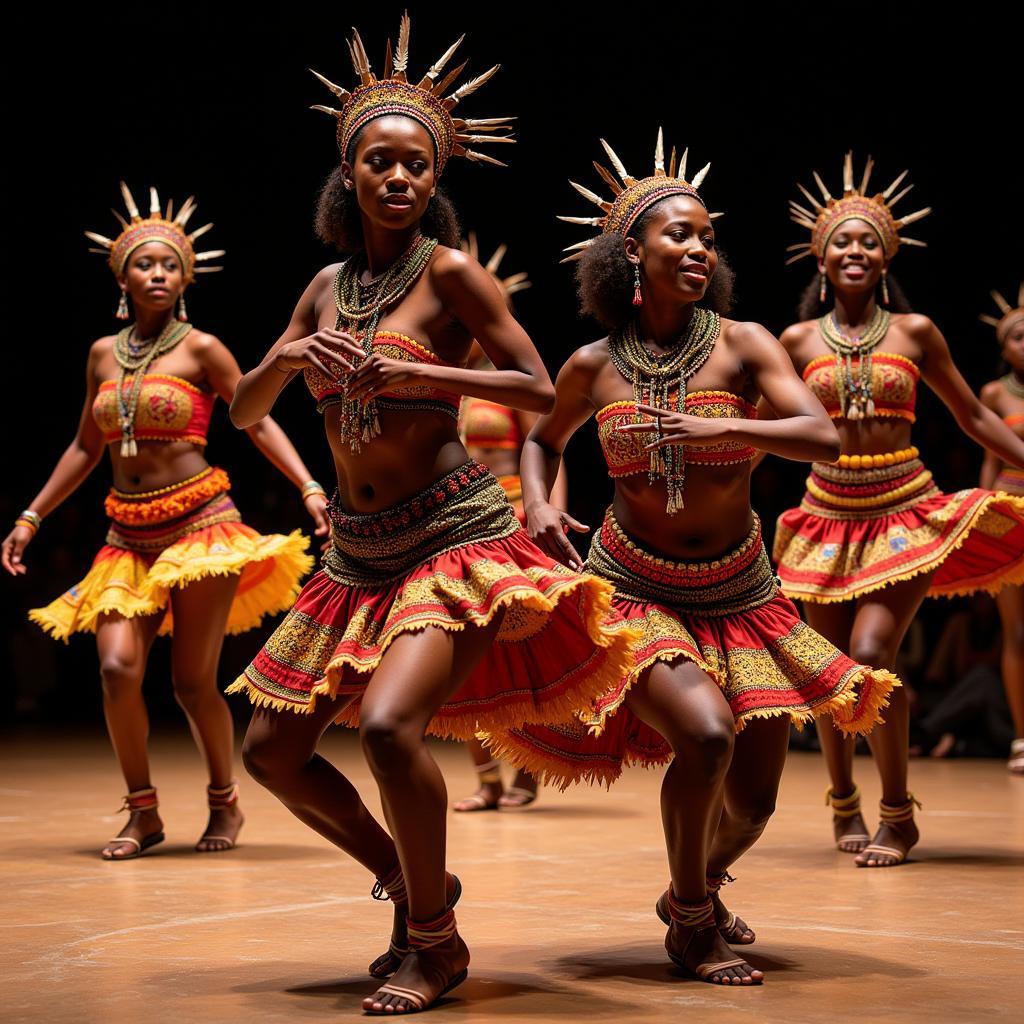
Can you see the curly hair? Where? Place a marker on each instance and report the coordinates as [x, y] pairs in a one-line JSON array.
[[339, 223], [810, 306], [604, 279]]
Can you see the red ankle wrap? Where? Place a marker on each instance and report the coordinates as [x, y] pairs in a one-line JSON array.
[[141, 800], [391, 887], [425, 934], [223, 797], [691, 915]]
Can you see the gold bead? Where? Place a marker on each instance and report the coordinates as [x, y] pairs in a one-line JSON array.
[[890, 459], [855, 461]]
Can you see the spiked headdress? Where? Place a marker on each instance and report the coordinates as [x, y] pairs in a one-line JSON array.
[[1010, 314], [157, 227], [424, 102], [855, 204], [634, 195], [508, 285]]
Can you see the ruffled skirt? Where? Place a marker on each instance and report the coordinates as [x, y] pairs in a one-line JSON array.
[[728, 618], [858, 530], [170, 538], [452, 557]]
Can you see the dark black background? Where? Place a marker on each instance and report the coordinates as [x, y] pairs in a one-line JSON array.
[[213, 101]]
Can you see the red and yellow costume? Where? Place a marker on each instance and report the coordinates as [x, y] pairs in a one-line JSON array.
[[452, 556], [178, 534], [870, 521], [1011, 479], [488, 426], [726, 615]]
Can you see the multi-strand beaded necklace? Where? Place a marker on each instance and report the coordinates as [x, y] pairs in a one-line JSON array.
[[359, 310], [660, 381], [1014, 385], [134, 356], [856, 401]]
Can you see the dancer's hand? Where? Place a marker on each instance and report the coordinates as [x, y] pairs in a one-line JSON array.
[[14, 545], [378, 374], [329, 351], [548, 527], [316, 506], [680, 428]]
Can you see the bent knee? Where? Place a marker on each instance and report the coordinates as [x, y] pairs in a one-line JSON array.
[[708, 745], [190, 690], [388, 741], [266, 760], [873, 652], [120, 674], [753, 813]]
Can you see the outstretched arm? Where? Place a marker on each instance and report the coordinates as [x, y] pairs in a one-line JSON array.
[[224, 375], [975, 419], [78, 461], [518, 380]]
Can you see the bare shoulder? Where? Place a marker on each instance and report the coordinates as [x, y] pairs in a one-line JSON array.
[[199, 342], [101, 347], [589, 360], [916, 325], [992, 394], [452, 267], [797, 335], [746, 332]]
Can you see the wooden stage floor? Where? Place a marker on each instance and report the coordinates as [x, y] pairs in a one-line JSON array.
[[558, 910]]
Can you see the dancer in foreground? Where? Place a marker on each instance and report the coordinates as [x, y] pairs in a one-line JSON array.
[[874, 535], [178, 557], [724, 664], [493, 435], [434, 611], [1005, 397]]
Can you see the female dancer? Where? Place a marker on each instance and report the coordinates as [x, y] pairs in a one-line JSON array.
[[493, 435], [178, 557], [1005, 397], [874, 536], [434, 611], [724, 664]]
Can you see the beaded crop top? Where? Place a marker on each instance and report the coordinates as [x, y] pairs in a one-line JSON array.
[[391, 345], [893, 384], [169, 409], [625, 454], [489, 425]]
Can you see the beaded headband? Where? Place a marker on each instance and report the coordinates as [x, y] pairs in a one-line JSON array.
[[1011, 314], [508, 285], [855, 204], [634, 195], [157, 227], [394, 94]]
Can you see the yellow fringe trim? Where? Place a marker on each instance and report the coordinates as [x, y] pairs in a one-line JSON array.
[[1012, 575], [618, 642]]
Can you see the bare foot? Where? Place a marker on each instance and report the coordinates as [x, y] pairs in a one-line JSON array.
[[703, 952], [398, 948], [890, 846], [851, 833], [486, 798], [422, 978], [947, 741], [145, 827], [221, 830]]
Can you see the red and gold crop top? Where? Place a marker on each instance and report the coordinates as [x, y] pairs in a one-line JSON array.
[[169, 409], [893, 384], [489, 425], [624, 452], [391, 345]]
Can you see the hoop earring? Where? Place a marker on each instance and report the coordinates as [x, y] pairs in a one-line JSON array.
[[182, 313], [885, 287], [822, 292], [638, 297], [122, 306]]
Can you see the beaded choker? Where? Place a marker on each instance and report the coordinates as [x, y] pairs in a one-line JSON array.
[[660, 381], [135, 356], [1014, 385], [359, 310], [856, 401]]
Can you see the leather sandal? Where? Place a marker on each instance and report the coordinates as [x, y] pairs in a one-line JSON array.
[[139, 800]]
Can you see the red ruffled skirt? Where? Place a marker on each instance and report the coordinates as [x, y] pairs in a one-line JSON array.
[[452, 557], [728, 618], [858, 530], [171, 538]]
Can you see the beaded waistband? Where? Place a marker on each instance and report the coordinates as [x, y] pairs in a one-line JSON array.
[[738, 581], [837, 493], [466, 506], [876, 461]]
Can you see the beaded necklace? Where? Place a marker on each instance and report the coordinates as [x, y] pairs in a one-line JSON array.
[[656, 379], [359, 309], [1014, 385], [854, 387], [135, 356]]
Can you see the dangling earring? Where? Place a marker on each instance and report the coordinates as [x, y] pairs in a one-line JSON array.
[[122, 306], [638, 298], [822, 294], [433, 192], [885, 287], [182, 314]]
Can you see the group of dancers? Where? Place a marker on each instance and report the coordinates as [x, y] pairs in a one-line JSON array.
[[675, 642]]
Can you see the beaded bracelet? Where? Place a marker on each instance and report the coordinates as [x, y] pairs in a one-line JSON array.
[[312, 487], [30, 520]]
